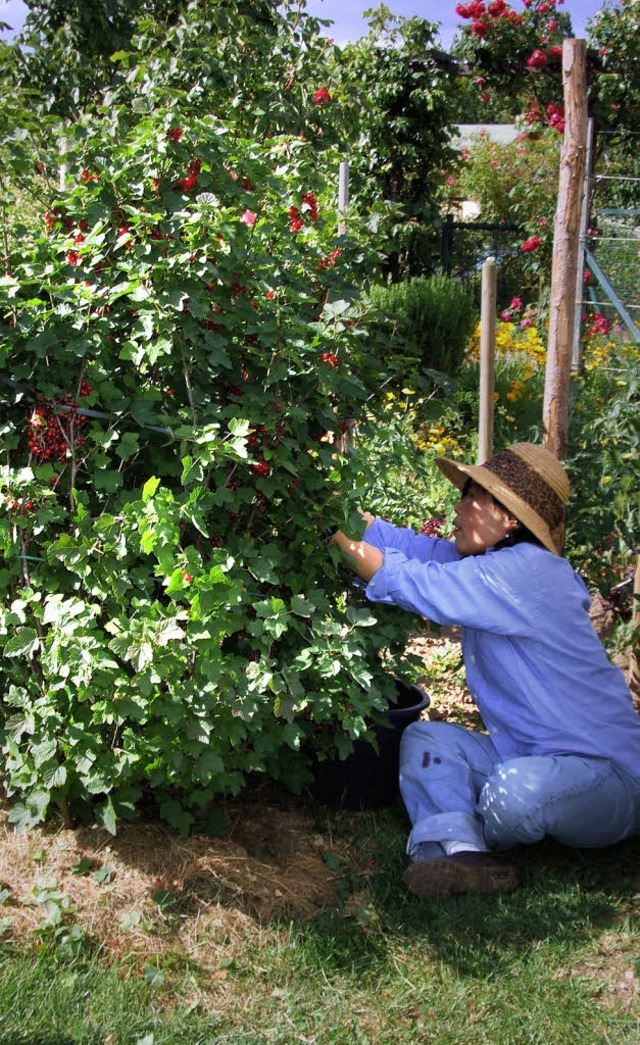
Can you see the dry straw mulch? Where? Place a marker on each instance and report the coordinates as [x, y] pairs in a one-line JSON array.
[[147, 890]]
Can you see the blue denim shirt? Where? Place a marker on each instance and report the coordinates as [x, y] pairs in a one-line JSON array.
[[535, 666]]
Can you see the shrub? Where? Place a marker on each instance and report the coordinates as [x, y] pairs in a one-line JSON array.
[[181, 349], [428, 322]]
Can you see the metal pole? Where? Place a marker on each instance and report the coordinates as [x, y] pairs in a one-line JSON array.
[[584, 225], [487, 359]]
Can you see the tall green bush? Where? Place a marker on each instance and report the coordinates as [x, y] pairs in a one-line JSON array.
[[428, 323], [182, 346]]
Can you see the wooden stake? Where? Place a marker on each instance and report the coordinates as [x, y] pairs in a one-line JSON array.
[[487, 359], [343, 195], [566, 247], [634, 658]]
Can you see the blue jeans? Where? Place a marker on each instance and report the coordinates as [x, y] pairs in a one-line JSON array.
[[454, 786]]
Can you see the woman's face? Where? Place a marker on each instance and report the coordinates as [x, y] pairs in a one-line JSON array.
[[479, 522]]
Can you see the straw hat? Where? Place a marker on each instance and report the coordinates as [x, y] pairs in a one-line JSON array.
[[528, 481]]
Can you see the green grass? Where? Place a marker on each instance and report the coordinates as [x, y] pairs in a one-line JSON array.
[[543, 965]]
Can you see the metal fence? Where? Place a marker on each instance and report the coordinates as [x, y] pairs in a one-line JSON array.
[[466, 245], [611, 242]]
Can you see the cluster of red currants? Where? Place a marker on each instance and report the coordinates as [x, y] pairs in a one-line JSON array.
[[330, 359], [52, 431], [309, 206], [432, 527]]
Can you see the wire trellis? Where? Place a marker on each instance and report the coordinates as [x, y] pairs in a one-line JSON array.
[[611, 287]]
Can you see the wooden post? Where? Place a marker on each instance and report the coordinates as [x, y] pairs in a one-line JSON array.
[[566, 247], [346, 438], [487, 359], [343, 195], [634, 658]]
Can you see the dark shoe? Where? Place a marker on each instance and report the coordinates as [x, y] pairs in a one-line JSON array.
[[466, 872]]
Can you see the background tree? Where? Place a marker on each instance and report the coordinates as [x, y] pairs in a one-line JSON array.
[[514, 57], [400, 99]]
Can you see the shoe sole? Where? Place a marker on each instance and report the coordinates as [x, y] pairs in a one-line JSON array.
[[440, 878]]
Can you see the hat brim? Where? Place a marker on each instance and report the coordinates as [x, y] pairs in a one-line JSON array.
[[458, 474]]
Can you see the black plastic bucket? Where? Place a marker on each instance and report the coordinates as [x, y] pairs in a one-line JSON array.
[[368, 779]]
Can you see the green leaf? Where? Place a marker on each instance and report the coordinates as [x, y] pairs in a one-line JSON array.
[[174, 814], [129, 920], [301, 606], [360, 618], [167, 631], [53, 775], [24, 643], [43, 752], [216, 822], [331, 861], [103, 875], [155, 977], [163, 897], [108, 481], [128, 446], [106, 815], [26, 814], [83, 866], [149, 489], [239, 426]]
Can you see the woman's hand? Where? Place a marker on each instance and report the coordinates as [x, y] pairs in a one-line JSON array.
[[368, 518], [363, 558]]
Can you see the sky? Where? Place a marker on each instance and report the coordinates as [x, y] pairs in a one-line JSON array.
[[349, 24]]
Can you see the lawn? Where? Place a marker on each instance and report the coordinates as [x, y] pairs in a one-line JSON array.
[[292, 925]]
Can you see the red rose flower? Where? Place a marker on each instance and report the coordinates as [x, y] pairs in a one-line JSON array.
[[322, 96], [537, 60], [531, 244]]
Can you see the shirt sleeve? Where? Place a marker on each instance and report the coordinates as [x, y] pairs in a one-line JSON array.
[[496, 592], [384, 536]]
